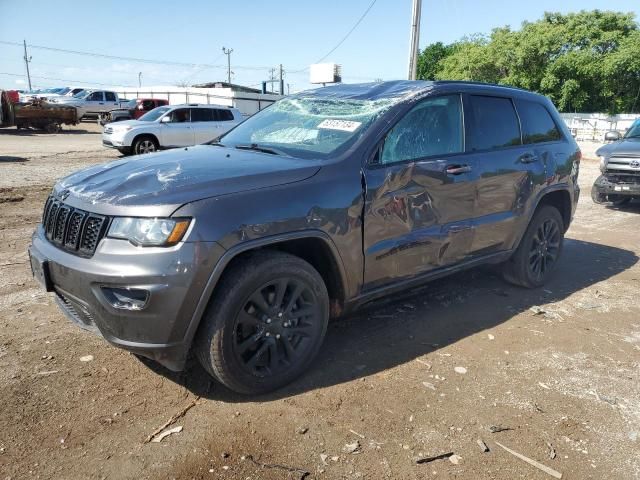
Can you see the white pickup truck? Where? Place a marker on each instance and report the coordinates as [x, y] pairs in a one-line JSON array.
[[90, 103]]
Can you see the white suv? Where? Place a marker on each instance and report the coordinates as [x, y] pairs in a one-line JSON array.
[[169, 127]]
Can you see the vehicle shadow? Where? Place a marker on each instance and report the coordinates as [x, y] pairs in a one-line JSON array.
[[12, 159], [440, 313], [27, 132], [632, 206]]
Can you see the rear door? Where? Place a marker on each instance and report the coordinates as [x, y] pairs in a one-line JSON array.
[[508, 171], [110, 101], [178, 132], [225, 120], [420, 192], [204, 124]]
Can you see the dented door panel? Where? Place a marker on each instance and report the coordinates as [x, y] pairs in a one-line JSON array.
[[417, 218]]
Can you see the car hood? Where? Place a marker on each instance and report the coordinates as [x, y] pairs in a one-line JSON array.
[[129, 123], [626, 146], [157, 184]]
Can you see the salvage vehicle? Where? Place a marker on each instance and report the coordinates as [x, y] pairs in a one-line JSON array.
[[620, 167], [132, 110], [35, 114], [90, 103], [241, 250], [170, 127]]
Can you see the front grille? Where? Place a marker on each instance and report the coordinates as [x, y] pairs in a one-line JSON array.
[[623, 165], [71, 229]]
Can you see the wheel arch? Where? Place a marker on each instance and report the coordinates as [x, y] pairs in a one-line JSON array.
[[560, 198], [140, 135], [315, 247]]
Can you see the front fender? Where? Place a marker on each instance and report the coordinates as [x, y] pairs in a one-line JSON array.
[[240, 248]]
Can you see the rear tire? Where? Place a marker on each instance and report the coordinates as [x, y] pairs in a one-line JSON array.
[[265, 323], [145, 144], [535, 259]]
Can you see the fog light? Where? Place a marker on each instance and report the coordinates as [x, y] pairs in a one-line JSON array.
[[126, 298]]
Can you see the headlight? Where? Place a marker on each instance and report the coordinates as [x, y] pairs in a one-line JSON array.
[[149, 232], [123, 128], [603, 163]]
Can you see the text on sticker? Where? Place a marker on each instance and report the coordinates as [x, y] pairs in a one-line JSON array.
[[344, 125]]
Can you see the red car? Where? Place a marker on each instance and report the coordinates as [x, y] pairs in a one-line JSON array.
[[133, 110]]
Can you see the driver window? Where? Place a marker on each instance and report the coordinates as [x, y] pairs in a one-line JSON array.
[[433, 127], [181, 115], [95, 97]]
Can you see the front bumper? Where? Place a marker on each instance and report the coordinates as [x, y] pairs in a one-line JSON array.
[[604, 186], [175, 278]]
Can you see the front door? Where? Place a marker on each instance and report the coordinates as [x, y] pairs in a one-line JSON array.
[[420, 192], [178, 132], [94, 102]]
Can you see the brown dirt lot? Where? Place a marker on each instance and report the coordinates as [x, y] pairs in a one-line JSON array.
[[566, 377]]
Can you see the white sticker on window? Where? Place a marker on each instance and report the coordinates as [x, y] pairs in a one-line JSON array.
[[344, 125]]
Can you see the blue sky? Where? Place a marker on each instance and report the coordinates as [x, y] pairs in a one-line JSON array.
[[262, 35]]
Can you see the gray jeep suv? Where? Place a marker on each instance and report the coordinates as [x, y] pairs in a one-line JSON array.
[[241, 250]]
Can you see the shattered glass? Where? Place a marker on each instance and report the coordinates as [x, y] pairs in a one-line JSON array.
[[323, 122]]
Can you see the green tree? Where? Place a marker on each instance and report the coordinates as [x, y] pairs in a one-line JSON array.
[[430, 58], [587, 61]]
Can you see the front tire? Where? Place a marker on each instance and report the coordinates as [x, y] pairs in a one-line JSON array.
[[265, 323], [145, 144], [536, 257]]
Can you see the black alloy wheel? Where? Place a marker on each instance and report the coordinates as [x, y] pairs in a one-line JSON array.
[[265, 323], [544, 248], [275, 326]]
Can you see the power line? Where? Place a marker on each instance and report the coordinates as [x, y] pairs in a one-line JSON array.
[[132, 59], [350, 31], [343, 38]]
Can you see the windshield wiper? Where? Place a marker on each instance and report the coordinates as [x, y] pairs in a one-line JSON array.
[[258, 148], [216, 143]]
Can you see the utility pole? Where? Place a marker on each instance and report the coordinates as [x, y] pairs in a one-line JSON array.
[[281, 80], [26, 63], [139, 79], [227, 52], [414, 39]]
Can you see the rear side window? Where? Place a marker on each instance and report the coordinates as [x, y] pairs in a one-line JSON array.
[[202, 115], [223, 115], [110, 96], [433, 127], [537, 124], [494, 125]]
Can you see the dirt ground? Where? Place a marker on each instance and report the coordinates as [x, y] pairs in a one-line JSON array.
[[557, 368]]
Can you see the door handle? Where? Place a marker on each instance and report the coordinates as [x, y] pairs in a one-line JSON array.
[[457, 169], [528, 158]]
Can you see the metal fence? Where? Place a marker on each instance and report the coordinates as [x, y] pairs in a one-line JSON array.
[[593, 126]]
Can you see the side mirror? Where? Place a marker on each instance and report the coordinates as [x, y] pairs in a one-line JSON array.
[[165, 119], [612, 136], [140, 107]]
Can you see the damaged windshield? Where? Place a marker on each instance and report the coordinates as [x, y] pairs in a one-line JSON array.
[[307, 127]]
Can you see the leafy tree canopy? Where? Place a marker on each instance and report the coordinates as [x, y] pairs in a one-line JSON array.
[[587, 61]]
